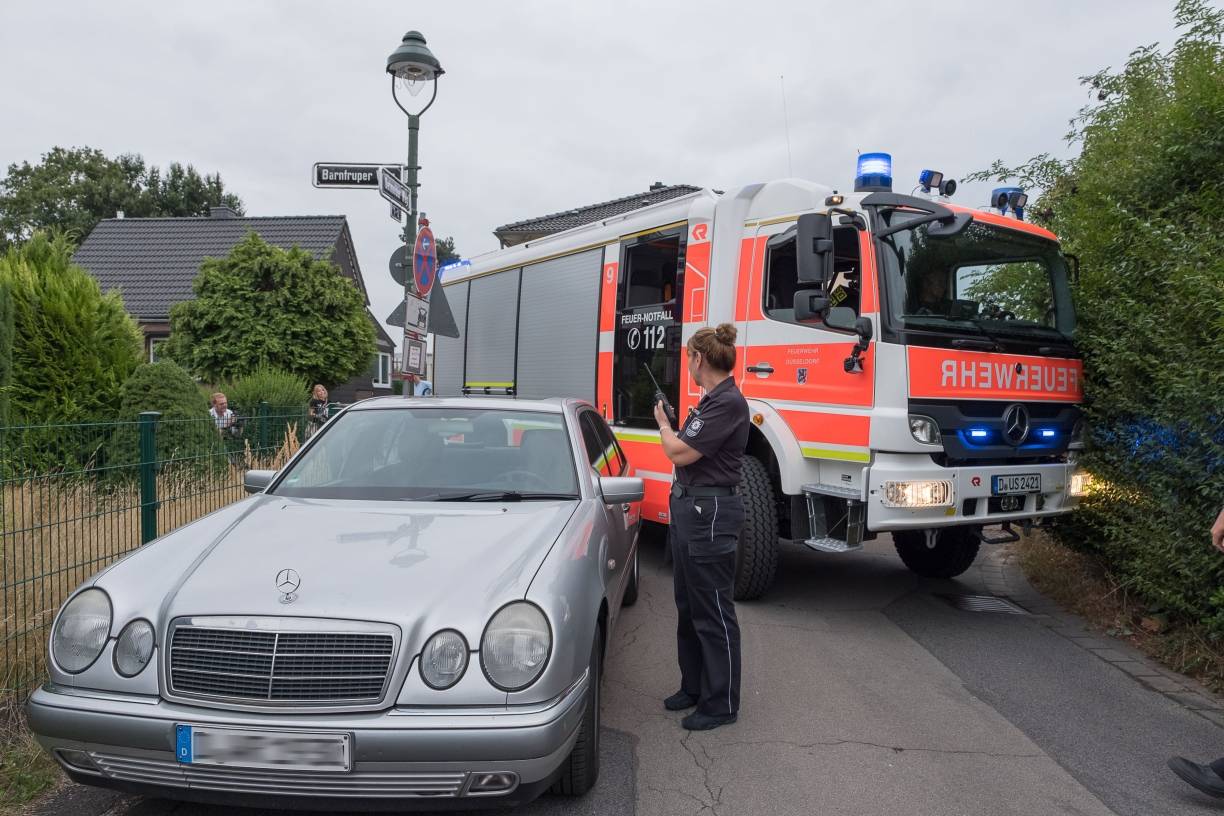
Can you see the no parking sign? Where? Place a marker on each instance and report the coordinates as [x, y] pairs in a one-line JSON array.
[[424, 261]]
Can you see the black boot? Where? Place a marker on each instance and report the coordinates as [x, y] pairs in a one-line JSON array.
[[680, 701], [1201, 777], [704, 722]]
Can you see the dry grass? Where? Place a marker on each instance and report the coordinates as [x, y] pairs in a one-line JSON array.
[[25, 769], [1081, 584]]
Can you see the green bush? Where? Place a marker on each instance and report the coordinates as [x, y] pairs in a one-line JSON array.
[[186, 435], [263, 305], [6, 347], [1143, 207], [72, 347], [283, 391]]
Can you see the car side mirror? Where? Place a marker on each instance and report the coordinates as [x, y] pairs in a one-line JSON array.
[[621, 489], [863, 328], [257, 481], [842, 318], [814, 248], [810, 304]]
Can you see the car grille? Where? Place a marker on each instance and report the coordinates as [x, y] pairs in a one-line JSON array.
[[281, 667], [169, 773]]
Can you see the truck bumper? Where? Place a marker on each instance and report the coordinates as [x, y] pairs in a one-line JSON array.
[[401, 759], [972, 499]]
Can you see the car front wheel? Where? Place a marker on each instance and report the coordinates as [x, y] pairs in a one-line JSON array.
[[581, 768]]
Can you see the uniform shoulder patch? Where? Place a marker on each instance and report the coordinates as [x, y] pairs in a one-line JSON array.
[[694, 427]]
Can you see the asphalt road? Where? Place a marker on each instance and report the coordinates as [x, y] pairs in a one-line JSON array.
[[865, 692]]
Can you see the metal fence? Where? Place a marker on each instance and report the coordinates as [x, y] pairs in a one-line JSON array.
[[73, 498]]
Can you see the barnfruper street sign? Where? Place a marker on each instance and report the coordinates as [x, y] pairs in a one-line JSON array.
[[345, 175]]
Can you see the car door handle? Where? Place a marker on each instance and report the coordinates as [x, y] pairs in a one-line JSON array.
[[760, 368]]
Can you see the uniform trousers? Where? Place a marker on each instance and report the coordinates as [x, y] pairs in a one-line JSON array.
[[703, 535]]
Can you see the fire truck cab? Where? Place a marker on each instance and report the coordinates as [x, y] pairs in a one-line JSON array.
[[907, 362]]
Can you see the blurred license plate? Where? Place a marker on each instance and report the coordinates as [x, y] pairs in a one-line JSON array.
[[275, 750], [1016, 483]]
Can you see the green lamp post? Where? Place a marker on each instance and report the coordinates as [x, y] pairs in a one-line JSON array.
[[412, 66]]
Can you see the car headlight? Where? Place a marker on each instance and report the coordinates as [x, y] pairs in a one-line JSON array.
[[924, 430], [81, 631], [444, 659], [515, 646], [134, 648]]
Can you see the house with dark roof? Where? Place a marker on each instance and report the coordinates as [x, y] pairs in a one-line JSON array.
[[533, 228], [152, 262]]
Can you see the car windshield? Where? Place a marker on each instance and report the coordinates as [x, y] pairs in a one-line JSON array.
[[436, 454], [987, 280]]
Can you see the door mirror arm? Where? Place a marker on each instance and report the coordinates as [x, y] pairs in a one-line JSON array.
[[854, 364]]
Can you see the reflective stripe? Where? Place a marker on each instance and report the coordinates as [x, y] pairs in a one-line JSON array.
[[727, 640], [813, 452]]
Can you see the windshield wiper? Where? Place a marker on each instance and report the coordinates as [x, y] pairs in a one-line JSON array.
[[977, 321], [504, 495]]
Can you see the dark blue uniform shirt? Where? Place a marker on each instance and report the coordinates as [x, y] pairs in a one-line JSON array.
[[718, 430]]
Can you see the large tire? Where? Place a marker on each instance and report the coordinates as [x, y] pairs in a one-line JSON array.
[[756, 560], [631, 589], [581, 767], [952, 552]]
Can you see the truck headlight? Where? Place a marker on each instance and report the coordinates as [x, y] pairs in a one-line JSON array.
[[1081, 483], [924, 430], [134, 648], [444, 659], [515, 646], [925, 493], [81, 631]]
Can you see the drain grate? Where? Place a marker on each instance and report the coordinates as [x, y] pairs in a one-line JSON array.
[[983, 603]]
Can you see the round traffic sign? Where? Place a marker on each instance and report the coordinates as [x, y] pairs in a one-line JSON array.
[[425, 261], [399, 265]]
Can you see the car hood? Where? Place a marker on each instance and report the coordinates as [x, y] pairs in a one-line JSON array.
[[377, 561]]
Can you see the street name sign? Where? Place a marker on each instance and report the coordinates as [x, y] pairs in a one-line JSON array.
[[351, 176], [394, 190]]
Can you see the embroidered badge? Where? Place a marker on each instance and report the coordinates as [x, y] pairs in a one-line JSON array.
[[694, 427]]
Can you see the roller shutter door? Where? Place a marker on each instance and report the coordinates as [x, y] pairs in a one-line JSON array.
[[448, 351], [559, 316], [492, 321]]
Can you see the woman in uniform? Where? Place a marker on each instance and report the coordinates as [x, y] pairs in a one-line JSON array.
[[706, 516]]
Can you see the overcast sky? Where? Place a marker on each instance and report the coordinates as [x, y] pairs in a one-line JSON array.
[[551, 105]]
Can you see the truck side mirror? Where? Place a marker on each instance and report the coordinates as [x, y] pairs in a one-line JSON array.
[[814, 248], [810, 304], [841, 317]]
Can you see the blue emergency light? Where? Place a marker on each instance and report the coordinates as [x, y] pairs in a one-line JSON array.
[[1048, 433], [874, 173], [979, 433], [1013, 198]]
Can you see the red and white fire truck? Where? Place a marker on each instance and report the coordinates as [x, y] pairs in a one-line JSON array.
[[907, 362]]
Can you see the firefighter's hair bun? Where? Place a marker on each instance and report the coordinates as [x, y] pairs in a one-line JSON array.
[[725, 334]]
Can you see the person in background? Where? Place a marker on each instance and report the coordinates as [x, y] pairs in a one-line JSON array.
[[316, 413], [221, 415], [1207, 778]]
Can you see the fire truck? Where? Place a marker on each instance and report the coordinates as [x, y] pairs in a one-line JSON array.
[[908, 363]]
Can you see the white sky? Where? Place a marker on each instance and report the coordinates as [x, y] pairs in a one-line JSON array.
[[551, 105]]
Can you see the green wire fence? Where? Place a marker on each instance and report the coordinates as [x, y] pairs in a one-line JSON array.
[[74, 498]]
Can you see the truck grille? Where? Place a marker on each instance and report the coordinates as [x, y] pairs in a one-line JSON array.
[[281, 667]]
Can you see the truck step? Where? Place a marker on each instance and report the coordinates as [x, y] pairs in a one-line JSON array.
[[831, 545]]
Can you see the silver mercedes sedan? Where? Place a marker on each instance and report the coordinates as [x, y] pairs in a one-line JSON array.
[[412, 612]]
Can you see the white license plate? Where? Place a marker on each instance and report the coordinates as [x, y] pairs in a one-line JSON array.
[[274, 750], [1016, 483]]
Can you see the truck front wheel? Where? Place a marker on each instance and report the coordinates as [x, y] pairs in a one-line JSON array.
[[949, 552], [756, 561]]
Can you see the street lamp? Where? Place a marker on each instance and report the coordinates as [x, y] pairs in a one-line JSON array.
[[411, 67]]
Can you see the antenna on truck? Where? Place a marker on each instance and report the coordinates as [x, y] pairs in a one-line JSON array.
[[790, 169]]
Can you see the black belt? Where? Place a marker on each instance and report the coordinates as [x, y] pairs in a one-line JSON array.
[[702, 492]]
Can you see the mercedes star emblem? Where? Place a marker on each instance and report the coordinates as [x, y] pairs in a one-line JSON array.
[[1016, 424], [287, 583]]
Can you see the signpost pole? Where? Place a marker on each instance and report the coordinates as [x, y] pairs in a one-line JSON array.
[[410, 231]]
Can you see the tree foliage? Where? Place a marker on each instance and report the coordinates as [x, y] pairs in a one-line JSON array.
[[284, 391], [446, 250], [72, 189], [6, 347], [186, 436], [72, 346], [1142, 205], [267, 306]]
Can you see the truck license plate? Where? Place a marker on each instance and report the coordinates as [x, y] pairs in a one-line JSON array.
[[1016, 483], [274, 750]]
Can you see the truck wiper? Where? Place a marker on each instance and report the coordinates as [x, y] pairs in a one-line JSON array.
[[994, 341]]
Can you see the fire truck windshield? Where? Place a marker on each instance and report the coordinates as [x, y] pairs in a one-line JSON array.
[[1005, 285]]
